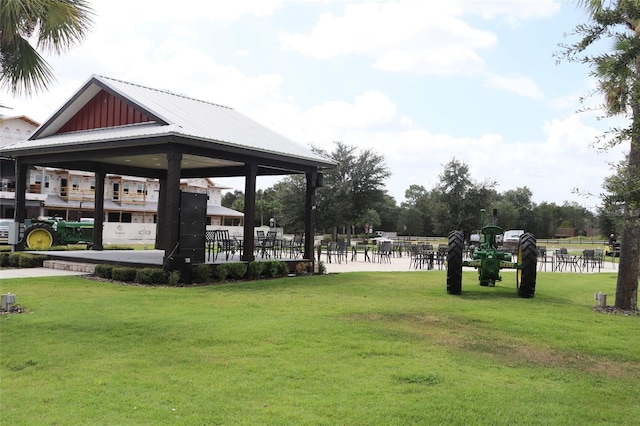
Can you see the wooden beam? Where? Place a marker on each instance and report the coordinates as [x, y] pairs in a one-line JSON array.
[[249, 211], [172, 207], [20, 210], [310, 216], [98, 219]]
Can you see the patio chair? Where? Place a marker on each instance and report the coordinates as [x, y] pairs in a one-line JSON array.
[[589, 260], [441, 255], [296, 247], [210, 244], [384, 251], [225, 244], [332, 247], [341, 251], [269, 246], [544, 258], [260, 237], [421, 255]]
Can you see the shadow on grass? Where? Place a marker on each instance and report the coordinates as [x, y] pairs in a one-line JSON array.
[[497, 293], [488, 293]]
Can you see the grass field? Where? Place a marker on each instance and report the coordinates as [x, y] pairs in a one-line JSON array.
[[357, 349]]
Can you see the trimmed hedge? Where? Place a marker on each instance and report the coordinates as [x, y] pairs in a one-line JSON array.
[[124, 273], [22, 260], [151, 276], [201, 273], [237, 271], [104, 271], [222, 271], [255, 269], [27, 260]]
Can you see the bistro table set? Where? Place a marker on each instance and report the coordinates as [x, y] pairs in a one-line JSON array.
[[220, 246], [561, 260], [269, 245]]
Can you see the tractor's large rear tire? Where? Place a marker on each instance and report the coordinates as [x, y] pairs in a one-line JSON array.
[[528, 259], [40, 236], [454, 262]]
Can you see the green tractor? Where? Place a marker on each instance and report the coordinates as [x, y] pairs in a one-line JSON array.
[[488, 259], [43, 233]]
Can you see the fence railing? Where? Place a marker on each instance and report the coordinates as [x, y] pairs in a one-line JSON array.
[[573, 241]]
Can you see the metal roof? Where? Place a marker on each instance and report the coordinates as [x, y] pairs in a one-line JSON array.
[[223, 211], [198, 122]]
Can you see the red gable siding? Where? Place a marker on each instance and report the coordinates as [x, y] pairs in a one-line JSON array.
[[104, 110]]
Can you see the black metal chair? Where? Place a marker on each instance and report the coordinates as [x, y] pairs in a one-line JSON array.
[[384, 251], [296, 247], [544, 258], [342, 251], [589, 260], [210, 243], [269, 247], [225, 244]]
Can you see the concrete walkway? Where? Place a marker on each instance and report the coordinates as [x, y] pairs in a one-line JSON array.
[[35, 272], [396, 264]]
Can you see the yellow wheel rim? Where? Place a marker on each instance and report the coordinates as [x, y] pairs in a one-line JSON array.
[[39, 238]]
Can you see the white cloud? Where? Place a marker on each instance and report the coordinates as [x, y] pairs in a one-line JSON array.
[[161, 11], [513, 10], [551, 165], [410, 36], [432, 62], [522, 86], [413, 36]]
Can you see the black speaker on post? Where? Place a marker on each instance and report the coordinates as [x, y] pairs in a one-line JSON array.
[[193, 227]]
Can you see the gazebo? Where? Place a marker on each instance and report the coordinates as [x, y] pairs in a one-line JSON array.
[[112, 126]]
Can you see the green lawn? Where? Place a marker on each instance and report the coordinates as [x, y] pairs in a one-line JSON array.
[[357, 349]]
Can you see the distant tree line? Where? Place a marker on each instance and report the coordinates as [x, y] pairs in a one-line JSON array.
[[354, 199]]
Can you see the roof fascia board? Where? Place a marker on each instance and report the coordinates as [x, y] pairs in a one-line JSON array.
[[243, 154], [144, 145]]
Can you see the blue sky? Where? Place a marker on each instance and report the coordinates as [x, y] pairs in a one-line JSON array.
[[420, 82]]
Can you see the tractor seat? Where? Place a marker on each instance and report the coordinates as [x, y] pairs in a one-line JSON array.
[[492, 230]]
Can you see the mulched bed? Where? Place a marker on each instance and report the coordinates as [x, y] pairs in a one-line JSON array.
[[14, 309], [615, 311]]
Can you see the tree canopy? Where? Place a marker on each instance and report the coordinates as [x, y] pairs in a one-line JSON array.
[[617, 73], [56, 24]]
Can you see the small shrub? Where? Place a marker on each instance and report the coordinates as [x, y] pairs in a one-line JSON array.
[[150, 276], [255, 269], [124, 273], [222, 271], [4, 260], [237, 271], [201, 273], [283, 269], [301, 268], [273, 268], [322, 269], [174, 278], [103, 271], [26, 260]]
